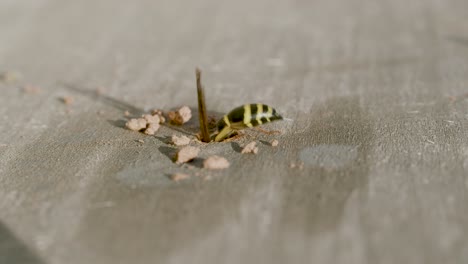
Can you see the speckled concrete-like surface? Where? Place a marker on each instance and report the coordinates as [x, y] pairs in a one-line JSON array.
[[378, 141]]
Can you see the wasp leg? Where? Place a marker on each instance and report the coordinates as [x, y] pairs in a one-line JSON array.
[[272, 132], [224, 133], [238, 135]]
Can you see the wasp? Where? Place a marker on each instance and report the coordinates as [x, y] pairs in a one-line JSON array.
[[245, 116]]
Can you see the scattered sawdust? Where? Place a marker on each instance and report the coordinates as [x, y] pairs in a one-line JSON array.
[[179, 177], [180, 141], [152, 128], [151, 119], [187, 154], [206, 177], [100, 90], [127, 113], [216, 163], [68, 100], [31, 89], [159, 113], [147, 122], [250, 148], [180, 116], [274, 143], [299, 165], [136, 124]]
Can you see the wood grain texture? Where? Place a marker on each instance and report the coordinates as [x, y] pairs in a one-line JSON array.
[[376, 90]]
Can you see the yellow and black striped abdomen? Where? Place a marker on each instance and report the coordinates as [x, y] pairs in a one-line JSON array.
[[249, 115]]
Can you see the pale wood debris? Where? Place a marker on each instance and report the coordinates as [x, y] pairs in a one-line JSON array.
[[274, 143], [180, 141], [68, 100], [151, 119], [159, 113], [216, 163], [136, 124], [180, 116], [179, 176], [250, 148], [186, 154], [31, 89], [152, 128]]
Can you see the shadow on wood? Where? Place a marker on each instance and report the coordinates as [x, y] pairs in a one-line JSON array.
[[14, 251]]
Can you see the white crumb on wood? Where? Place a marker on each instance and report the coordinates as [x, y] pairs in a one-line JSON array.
[[274, 143], [180, 141], [136, 124], [31, 89], [216, 163], [152, 128], [250, 148], [68, 100], [100, 90], [160, 114], [141, 141], [299, 165], [187, 154], [179, 176], [126, 113], [151, 119], [180, 116]]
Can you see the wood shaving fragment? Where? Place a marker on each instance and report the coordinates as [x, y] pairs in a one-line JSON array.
[[126, 113], [179, 176], [206, 177], [100, 90], [68, 100], [31, 89], [250, 148], [180, 116], [187, 154], [274, 143], [159, 113], [180, 141], [152, 128], [151, 119], [141, 141], [136, 124], [216, 163], [299, 165]]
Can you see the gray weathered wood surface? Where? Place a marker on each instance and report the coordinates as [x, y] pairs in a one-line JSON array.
[[376, 90]]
